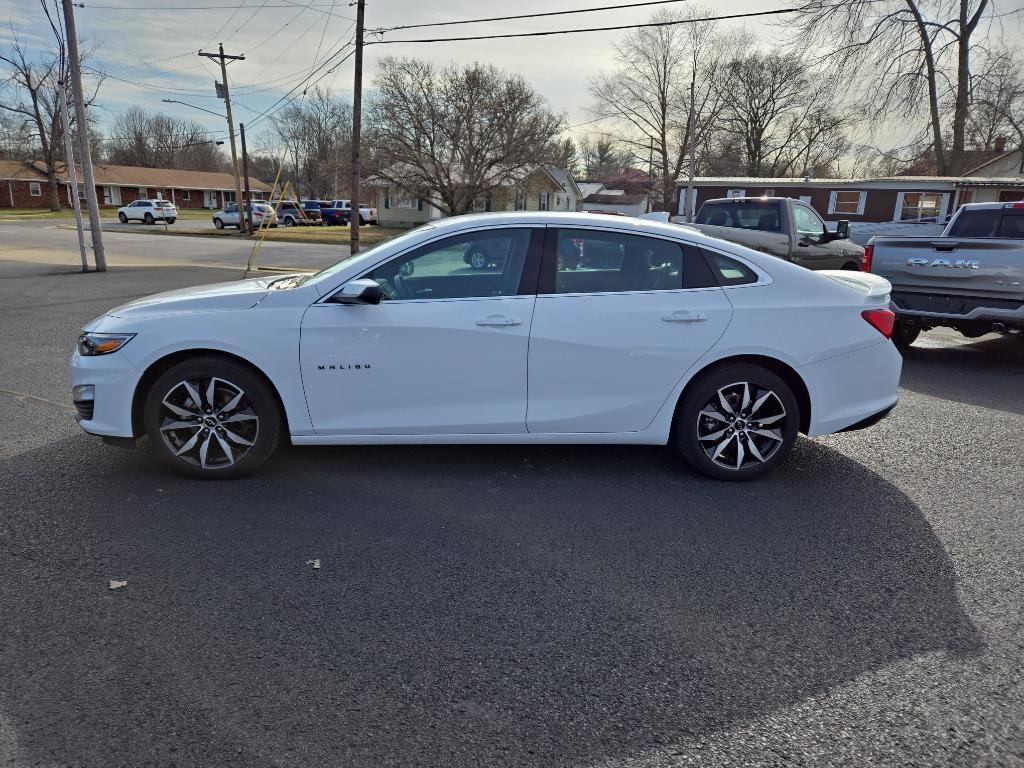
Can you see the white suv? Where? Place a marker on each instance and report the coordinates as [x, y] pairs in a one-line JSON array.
[[148, 211]]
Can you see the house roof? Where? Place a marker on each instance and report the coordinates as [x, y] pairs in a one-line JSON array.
[[563, 177], [884, 182], [615, 199], [997, 158], [132, 176], [18, 170], [396, 171], [590, 187]]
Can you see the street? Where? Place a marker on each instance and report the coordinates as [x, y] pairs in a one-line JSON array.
[[499, 605]]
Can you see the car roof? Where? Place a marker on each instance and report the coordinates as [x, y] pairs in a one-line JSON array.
[[992, 206]]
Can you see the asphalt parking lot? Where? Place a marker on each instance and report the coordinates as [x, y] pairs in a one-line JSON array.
[[513, 606]]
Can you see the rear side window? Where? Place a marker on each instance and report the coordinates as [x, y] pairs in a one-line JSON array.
[[596, 261], [752, 214], [730, 271], [1012, 226]]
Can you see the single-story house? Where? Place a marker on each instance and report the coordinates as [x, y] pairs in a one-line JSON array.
[[998, 180], [118, 185], [542, 188]]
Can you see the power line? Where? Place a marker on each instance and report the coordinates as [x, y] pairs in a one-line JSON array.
[[235, 6], [620, 27], [271, 111], [381, 30]]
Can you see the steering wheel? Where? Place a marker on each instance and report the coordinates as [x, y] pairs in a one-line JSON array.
[[401, 289]]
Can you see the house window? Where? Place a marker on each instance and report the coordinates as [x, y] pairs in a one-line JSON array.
[[848, 202], [35, 189], [769, 193], [229, 196], [805, 199], [111, 195], [184, 194], [143, 193], [917, 206], [542, 203], [481, 203], [736, 193], [520, 199]]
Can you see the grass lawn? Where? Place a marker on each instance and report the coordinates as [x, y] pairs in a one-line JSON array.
[[368, 235], [28, 214]]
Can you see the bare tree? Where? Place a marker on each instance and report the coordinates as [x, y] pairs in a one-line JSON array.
[[914, 55], [780, 116], [154, 140], [456, 133], [565, 154], [647, 97], [997, 108], [601, 158], [317, 137], [30, 90]]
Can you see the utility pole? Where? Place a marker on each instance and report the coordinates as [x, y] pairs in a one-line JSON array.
[[357, 116], [83, 138], [650, 175], [227, 103], [245, 175], [691, 123], [69, 162]]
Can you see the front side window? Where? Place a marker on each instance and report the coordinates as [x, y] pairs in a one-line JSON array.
[[231, 208], [591, 261], [469, 265], [920, 205], [807, 222]]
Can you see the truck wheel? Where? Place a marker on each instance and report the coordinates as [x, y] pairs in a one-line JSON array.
[[904, 334]]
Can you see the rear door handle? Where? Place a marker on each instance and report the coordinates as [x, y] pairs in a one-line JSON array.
[[497, 321], [685, 316]]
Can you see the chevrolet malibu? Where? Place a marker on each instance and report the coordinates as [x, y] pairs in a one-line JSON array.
[[673, 338]]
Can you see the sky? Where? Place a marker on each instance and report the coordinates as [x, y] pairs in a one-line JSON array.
[[153, 44]]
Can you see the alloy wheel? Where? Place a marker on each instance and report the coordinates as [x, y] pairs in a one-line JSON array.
[[741, 426], [208, 423]]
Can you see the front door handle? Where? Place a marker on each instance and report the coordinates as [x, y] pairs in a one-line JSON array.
[[498, 321], [685, 316]]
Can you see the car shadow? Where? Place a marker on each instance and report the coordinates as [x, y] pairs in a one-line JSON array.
[[474, 605], [986, 372]]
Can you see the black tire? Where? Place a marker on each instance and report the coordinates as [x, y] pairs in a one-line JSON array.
[[218, 223], [122, 218], [771, 440], [256, 419], [148, 218], [171, 220], [852, 266], [289, 221], [904, 334], [362, 222]]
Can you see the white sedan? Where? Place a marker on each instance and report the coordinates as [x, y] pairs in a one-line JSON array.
[[587, 330], [148, 211]]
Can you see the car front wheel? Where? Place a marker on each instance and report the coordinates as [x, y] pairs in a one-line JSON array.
[[737, 422], [211, 417]]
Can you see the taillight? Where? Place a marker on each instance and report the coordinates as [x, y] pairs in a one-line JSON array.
[[882, 320], [865, 261]]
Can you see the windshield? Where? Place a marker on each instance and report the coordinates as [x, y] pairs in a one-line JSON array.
[[368, 254]]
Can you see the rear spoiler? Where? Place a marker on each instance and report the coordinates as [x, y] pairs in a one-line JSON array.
[[872, 286]]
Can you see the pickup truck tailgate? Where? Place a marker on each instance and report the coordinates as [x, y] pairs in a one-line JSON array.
[[950, 266]]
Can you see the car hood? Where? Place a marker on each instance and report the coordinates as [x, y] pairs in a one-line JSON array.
[[239, 294]]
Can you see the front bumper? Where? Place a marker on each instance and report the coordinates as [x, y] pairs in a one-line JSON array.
[[113, 378]]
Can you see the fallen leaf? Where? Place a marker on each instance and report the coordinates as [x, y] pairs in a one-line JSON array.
[[314, 563], [115, 584]]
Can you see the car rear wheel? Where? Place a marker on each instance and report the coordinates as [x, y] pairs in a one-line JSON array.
[[122, 218], [218, 223], [904, 334], [172, 220], [210, 417], [289, 221], [148, 218], [737, 422]]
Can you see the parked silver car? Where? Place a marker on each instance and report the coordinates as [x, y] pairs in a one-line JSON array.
[[262, 216]]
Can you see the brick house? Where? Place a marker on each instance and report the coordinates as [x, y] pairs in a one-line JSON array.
[[26, 186]]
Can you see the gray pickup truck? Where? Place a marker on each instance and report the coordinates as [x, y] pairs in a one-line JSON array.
[[970, 278], [780, 226]]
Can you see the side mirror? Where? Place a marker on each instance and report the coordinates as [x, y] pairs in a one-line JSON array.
[[842, 230], [364, 291]]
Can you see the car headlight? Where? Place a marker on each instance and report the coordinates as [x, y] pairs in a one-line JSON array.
[[92, 344]]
